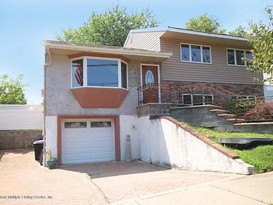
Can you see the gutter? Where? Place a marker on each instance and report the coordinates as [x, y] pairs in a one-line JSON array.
[[47, 63]]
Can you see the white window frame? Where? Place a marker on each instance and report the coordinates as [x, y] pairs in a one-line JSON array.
[[84, 58], [235, 58], [190, 56], [192, 95]]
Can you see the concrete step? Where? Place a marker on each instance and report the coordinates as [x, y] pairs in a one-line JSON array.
[[226, 115], [235, 120], [219, 111], [215, 107]]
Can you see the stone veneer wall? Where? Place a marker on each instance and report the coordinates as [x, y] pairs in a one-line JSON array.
[[201, 116], [170, 90], [18, 139]]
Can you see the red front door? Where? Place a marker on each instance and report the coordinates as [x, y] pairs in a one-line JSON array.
[[150, 84]]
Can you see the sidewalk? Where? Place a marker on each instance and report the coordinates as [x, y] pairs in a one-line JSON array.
[[254, 189]]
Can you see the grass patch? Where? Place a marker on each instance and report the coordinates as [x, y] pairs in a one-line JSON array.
[[260, 157]]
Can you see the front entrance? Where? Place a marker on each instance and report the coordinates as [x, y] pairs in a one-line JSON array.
[[150, 88]]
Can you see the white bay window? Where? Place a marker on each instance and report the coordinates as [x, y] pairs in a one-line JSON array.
[[99, 72]]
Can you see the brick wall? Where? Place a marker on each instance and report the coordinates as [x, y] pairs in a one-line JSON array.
[[171, 90], [18, 139]]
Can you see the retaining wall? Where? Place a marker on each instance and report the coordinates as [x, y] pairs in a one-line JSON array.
[[167, 142]]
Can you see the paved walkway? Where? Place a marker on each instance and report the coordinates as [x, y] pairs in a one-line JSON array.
[[24, 181]]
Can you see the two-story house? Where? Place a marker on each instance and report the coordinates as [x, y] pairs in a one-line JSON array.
[[92, 92]]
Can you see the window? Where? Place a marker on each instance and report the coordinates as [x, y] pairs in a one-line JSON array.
[[195, 53], [185, 52], [102, 72], [100, 124], [197, 99], [99, 72], [123, 75], [235, 57], [239, 57], [75, 125], [77, 73], [206, 54]]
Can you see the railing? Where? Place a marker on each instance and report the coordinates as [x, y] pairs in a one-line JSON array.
[[248, 108], [148, 93]]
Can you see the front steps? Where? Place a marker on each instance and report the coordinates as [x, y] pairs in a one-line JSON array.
[[226, 115], [210, 116]]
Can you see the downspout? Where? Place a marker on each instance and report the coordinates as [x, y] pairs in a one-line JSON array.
[[47, 63]]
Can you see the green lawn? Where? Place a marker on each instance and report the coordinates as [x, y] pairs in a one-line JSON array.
[[260, 157]]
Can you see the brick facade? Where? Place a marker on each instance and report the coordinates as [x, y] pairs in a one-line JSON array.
[[171, 90]]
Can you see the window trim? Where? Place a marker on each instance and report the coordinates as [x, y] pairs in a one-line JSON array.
[[84, 58], [235, 58], [201, 50], [192, 99]]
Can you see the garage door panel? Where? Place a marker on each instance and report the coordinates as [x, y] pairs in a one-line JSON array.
[[88, 144]]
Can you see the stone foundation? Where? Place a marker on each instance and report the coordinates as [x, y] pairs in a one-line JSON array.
[[18, 139], [154, 109]]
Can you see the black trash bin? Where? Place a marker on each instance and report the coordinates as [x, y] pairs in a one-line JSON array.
[[38, 148]]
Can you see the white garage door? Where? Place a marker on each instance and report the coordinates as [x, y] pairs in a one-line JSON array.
[[87, 141]]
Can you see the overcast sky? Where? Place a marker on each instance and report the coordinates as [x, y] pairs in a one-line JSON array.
[[24, 24]]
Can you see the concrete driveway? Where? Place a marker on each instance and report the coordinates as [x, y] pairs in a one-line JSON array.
[[24, 181]]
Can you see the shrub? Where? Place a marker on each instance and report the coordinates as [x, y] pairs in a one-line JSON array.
[[239, 107], [262, 112]]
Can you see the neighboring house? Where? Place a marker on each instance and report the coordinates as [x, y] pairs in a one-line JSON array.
[[92, 92]]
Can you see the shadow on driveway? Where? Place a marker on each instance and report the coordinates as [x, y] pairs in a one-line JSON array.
[[109, 169]]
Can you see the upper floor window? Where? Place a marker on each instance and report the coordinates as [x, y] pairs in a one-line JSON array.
[[236, 57], [195, 53], [99, 72]]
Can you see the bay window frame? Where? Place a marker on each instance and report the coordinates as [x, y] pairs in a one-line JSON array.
[[85, 75]]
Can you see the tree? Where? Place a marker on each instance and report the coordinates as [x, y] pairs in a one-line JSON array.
[[239, 31], [110, 28], [261, 40], [12, 91], [205, 23]]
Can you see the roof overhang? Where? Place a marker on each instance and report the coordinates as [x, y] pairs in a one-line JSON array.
[[105, 49], [200, 33], [198, 36]]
